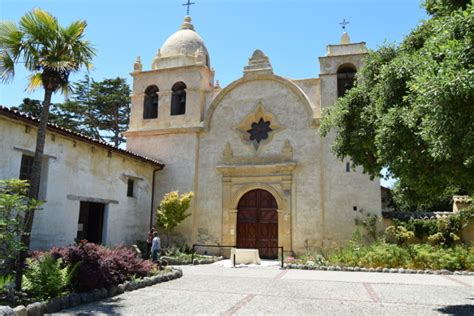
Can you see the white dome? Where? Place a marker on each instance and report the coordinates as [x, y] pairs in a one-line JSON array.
[[184, 43]]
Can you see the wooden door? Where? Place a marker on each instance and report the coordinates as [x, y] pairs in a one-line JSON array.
[[257, 223]]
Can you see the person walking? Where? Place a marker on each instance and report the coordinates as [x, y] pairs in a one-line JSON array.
[[149, 240], [155, 247]]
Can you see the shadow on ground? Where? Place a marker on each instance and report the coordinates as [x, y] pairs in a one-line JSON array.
[[108, 306], [465, 309]]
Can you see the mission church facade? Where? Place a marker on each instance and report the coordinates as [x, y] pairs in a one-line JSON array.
[[252, 151]]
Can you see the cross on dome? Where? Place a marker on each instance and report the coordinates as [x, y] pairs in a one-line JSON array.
[[343, 24], [188, 4]]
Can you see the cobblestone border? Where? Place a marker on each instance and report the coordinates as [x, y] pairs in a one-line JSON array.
[[173, 262], [381, 270], [59, 303]]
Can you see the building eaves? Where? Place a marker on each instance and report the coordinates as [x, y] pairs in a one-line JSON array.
[[17, 115]]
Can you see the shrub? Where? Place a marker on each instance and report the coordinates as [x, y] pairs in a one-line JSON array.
[[418, 256], [350, 254], [399, 235], [100, 266], [143, 247], [45, 277], [369, 223], [429, 257], [172, 211], [443, 231], [14, 205], [385, 255]]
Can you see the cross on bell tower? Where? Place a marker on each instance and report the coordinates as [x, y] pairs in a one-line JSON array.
[[188, 4], [343, 24]]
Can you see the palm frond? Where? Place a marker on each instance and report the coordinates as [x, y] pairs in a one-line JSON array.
[[34, 82], [39, 25], [7, 67], [10, 37], [44, 47]]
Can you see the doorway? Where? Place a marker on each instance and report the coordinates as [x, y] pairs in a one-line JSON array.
[[91, 222], [257, 223]]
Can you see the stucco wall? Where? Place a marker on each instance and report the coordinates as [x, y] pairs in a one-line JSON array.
[[279, 100], [315, 194], [178, 153], [78, 170]]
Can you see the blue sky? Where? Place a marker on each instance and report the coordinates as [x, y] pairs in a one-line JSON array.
[[292, 33]]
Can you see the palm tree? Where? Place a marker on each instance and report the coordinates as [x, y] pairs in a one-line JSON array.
[[51, 53]]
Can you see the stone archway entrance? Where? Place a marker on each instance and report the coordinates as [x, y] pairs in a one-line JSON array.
[[257, 223]]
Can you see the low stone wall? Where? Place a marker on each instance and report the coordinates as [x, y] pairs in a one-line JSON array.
[[59, 303], [176, 262], [467, 233]]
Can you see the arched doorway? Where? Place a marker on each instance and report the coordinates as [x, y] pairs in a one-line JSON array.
[[257, 223]]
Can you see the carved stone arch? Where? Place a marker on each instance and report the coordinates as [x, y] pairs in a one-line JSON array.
[[344, 66], [346, 73], [277, 194], [283, 81]]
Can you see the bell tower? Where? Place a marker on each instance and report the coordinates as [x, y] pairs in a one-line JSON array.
[[171, 95], [168, 104]]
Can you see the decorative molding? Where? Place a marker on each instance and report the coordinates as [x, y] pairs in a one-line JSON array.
[[287, 150], [90, 199], [293, 87], [255, 170], [32, 153], [129, 176], [254, 117], [259, 62], [161, 131], [227, 154]]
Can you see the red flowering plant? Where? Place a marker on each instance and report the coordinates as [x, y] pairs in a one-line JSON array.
[[100, 266]]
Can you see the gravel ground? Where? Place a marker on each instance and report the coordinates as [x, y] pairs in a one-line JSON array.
[[219, 289]]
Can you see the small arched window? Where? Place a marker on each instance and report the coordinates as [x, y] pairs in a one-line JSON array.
[[345, 78], [150, 103], [178, 99]]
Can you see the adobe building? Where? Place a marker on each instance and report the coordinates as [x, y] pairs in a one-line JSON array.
[[251, 152]]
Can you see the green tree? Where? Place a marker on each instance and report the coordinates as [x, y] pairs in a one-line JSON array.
[[51, 52], [105, 107], [62, 114], [14, 205], [99, 109], [172, 211], [412, 109]]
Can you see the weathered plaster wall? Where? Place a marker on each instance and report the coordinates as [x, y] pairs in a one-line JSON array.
[[79, 170], [280, 101], [343, 190], [178, 152]]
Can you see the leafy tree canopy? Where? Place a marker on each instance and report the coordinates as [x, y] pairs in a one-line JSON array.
[[412, 110], [99, 109], [172, 211]]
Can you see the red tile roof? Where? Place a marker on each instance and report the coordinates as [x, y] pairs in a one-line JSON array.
[[68, 133]]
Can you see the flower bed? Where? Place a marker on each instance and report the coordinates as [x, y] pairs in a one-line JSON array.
[[381, 256], [59, 303], [81, 268]]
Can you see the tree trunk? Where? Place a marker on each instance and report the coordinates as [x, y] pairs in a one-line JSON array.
[[116, 127], [34, 186]]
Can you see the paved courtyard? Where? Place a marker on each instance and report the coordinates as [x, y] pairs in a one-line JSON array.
[[217, 289]]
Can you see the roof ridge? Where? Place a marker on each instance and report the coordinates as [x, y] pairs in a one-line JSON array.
[[67, 132]]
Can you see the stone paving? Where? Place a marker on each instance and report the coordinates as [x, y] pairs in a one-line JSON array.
[[218, 289]]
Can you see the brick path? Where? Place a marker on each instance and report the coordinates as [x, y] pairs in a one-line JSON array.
[[214, 289]]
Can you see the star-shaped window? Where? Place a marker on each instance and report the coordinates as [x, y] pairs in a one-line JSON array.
[[260, 130], [258, 127]]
